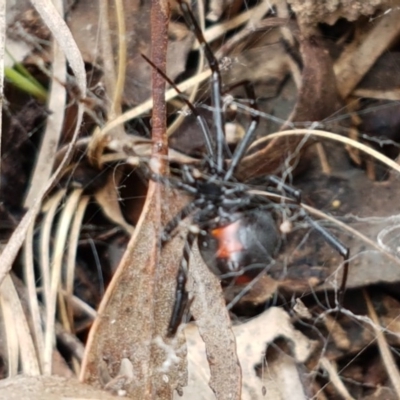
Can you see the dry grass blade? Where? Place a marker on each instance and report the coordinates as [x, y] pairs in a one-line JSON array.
[[71, 256], [49, 388], [253, 19], [82, 306], [50, 208], [386, 353], [114, 84], [30, 282], [390, 95], [14, 244], [106, 47], [216, 31], [54, 123], [62, 34], [122, 56], [331, 136], [9, 324], [9, 298], [56, 266], [335, 379]]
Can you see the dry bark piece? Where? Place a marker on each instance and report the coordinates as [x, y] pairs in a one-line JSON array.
[[380, 76], [329, 11], [357, 59]]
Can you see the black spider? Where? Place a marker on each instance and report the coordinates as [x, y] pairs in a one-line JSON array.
[[237, 234]]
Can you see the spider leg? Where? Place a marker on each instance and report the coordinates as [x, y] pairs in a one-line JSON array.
[[249, 135], [336, 244], [240, 202], [200, 120], [185, 187], [173, 182], [216, 83], [187, 175], [291, 191], [181, 296], [329, 238]]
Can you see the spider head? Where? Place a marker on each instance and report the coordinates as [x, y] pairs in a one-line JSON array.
[[210, 189]]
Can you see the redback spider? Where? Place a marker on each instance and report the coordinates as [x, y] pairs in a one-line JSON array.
[[235, 229]]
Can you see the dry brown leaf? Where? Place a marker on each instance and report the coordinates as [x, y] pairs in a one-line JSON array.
[[48, 388], [107, 197], [252, 339], [133, 317], [209, 311]]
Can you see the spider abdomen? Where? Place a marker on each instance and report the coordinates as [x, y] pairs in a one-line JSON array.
[[242, 249]]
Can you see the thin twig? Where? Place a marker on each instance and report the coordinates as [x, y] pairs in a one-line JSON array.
[[159, 41]]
